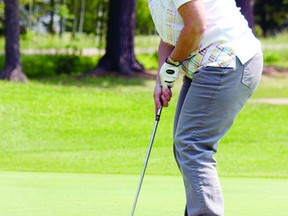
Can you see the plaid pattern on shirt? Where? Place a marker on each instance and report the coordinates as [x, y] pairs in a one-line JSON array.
[[215, 55]]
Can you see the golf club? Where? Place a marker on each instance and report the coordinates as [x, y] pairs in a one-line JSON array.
[[146, 158]]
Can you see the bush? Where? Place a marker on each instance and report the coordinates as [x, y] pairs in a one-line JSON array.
[[277, 57], [51, 65], [73, 64]]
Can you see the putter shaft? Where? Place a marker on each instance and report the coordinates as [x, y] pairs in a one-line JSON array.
[[146, 159]]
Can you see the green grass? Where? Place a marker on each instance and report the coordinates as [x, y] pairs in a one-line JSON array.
[[54, 194], [280, 38], [257, 143], [43, 64], [76, 147], [276, 57], [274, 49], [98, 131], [42, 41], [104, 125], [272, 88]]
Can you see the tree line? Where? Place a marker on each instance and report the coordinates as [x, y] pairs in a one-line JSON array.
[[74, 16], [90, 16], [116, 20]]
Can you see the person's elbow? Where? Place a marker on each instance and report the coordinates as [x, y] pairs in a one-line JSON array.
[[200, 26], [200, 30], [196, 30]]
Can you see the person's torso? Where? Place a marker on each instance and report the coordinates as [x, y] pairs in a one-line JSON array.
[[225, 23]]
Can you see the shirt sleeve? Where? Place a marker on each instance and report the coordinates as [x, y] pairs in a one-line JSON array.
[[178, 3]]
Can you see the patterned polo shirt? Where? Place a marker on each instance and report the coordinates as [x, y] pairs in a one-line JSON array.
[[215, 55], [227, 34]]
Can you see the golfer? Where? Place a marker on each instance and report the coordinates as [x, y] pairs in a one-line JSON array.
[[210, 41]]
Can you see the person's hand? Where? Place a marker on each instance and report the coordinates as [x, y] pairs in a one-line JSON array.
[[161, 98], [168, 73]]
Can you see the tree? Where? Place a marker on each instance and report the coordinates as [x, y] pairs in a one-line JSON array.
[[82, 16], [75, 18], [271, 15], [145, 25], [247, 9], [120, 55], [51, 29], [12, 67]]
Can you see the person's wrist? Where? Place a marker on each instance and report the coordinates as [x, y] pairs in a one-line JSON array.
[[158, 84], [171, 61]]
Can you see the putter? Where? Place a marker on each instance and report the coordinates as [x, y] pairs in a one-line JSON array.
[[146, 159]]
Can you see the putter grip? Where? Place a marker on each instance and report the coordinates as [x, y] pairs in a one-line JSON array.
[[158, 113]]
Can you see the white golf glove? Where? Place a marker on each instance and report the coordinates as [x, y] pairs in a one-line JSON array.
[[169, 73]]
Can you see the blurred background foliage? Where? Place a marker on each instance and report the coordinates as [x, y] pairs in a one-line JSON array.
[[90, 16], [79, 24]]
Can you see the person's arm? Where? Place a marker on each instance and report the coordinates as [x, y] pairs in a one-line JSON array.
[[162, 98], [194, 19]]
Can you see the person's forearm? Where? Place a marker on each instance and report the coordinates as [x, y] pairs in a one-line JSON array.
[[194, 18], [164, 50], [188, 43]]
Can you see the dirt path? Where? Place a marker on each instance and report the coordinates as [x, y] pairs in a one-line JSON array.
[[84, 51], [276, 101]]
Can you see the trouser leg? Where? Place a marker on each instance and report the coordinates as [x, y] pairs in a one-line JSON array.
[[206, 109]]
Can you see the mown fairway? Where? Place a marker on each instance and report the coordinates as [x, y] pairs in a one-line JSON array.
[[62, 194], [99, 127]]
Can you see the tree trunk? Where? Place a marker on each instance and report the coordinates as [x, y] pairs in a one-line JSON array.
[[101, 11], [75, 20], [52, 13], [247, 9], [62, 21], [120, 55], [12, 68], [82, 16], [30, 15]]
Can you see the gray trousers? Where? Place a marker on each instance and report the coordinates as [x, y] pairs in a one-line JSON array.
[[206, 109]]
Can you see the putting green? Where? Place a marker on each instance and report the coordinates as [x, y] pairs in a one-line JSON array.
[[57, 194]]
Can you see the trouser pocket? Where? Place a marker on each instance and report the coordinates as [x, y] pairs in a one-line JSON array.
[[252, 71]]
